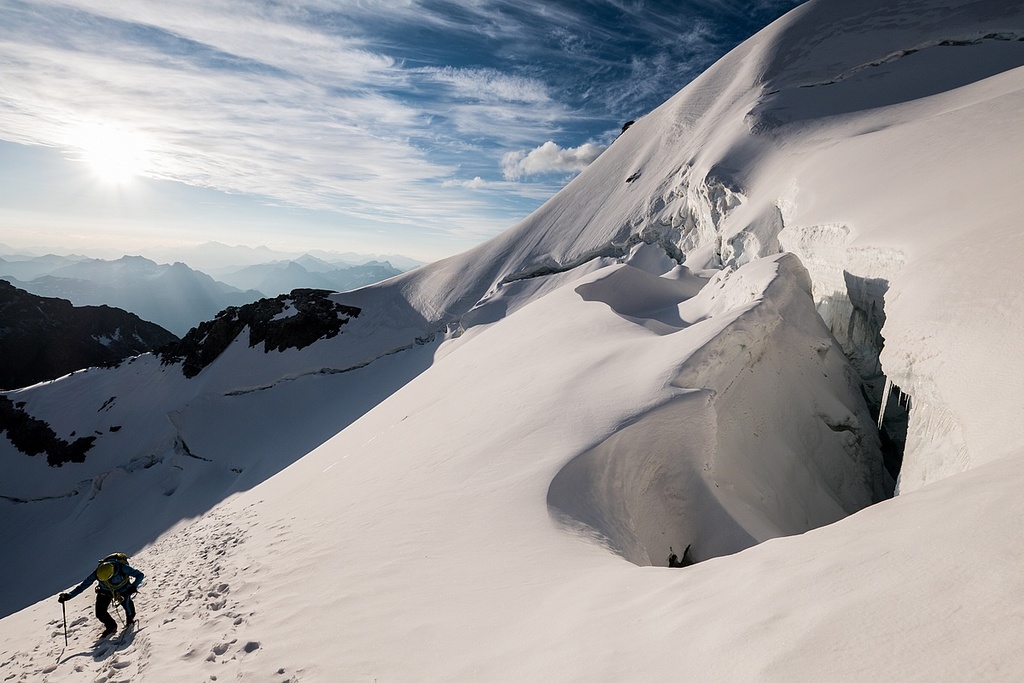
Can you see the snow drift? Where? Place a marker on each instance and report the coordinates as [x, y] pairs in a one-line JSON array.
[[638, 364]]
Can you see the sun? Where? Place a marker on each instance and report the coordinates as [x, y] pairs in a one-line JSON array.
[[115, 155]]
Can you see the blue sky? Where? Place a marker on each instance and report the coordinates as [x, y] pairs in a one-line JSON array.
[[419, 127]]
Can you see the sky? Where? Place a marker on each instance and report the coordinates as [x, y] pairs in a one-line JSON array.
[[419, 127]]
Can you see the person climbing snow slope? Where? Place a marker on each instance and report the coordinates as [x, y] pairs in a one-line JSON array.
[[114, 575]]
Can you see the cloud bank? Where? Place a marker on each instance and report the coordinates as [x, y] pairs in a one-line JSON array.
[[549, 158]]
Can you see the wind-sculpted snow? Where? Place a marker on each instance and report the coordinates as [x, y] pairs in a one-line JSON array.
[[711, 469], [652, 301]]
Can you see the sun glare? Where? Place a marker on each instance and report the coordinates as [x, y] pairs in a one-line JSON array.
[[115, 155]]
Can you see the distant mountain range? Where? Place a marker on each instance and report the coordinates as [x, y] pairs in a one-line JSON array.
[[43, 338], [176, 296], [308, 272], [216, 258], [173, 296], [24, 267]]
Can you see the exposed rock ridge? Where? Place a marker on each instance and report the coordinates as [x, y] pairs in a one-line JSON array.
[[289, 321]]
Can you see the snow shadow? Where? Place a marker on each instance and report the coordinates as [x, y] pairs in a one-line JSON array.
[[646, 299], [767, 434], [645, 488], [220, 445]]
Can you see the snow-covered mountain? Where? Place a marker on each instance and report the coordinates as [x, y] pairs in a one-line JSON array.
[[477, 470]]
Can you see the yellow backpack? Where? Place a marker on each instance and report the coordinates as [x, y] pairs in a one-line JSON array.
[[113, 579]]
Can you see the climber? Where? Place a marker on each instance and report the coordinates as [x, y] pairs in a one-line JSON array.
[[114, 575]]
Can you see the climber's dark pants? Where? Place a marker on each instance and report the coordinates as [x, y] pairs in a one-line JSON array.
[[103, 600]]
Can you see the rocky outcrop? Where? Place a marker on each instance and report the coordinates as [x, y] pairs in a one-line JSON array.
[[33, 436], [43, 338], [289, 321]]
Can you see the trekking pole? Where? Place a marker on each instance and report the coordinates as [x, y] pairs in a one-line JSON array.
[[64, 609]]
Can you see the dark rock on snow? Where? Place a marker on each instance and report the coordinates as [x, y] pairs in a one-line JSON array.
[[33, 436], [289, 321]]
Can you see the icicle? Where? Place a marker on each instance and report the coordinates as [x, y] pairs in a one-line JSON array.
[[885, 400], [905, 400]]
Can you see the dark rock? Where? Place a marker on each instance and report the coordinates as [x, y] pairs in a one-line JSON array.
[[314, 317], [32, 436], [44, 338]]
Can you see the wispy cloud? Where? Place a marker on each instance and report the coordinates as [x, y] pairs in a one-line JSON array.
[[363, 108], [490, 85], [284, 122]]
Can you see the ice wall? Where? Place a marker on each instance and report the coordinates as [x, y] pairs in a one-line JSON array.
[[767, 435], [717, 225]]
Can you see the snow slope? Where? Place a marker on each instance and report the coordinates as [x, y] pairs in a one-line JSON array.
[[167, 447], [578, 403]]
